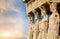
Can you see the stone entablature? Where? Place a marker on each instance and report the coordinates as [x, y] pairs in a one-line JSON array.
[[37, 3]]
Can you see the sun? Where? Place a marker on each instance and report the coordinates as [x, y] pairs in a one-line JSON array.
[[6, 34], [10, 34]]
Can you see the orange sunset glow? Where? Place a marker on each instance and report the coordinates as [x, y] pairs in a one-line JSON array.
[[9, 35]]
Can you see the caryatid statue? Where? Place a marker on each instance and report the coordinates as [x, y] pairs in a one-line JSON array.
[[31, 24], [53, 29], [36, 25], [43, 25]]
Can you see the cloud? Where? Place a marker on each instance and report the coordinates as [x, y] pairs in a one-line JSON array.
[[11, 17], [9, 5]]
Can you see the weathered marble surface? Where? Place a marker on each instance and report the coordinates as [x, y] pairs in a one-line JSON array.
[[46, 28]]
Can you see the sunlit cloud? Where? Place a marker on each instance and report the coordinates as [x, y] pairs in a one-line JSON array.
[[11, 18]]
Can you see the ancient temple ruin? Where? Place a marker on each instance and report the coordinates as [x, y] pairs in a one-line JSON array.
[[44, 19]]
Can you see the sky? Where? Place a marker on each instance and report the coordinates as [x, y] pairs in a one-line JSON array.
[[13, 17]]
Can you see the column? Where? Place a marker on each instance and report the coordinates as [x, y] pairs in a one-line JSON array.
[[43, 25], [31, 24], [36, 25], [53, 30]]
